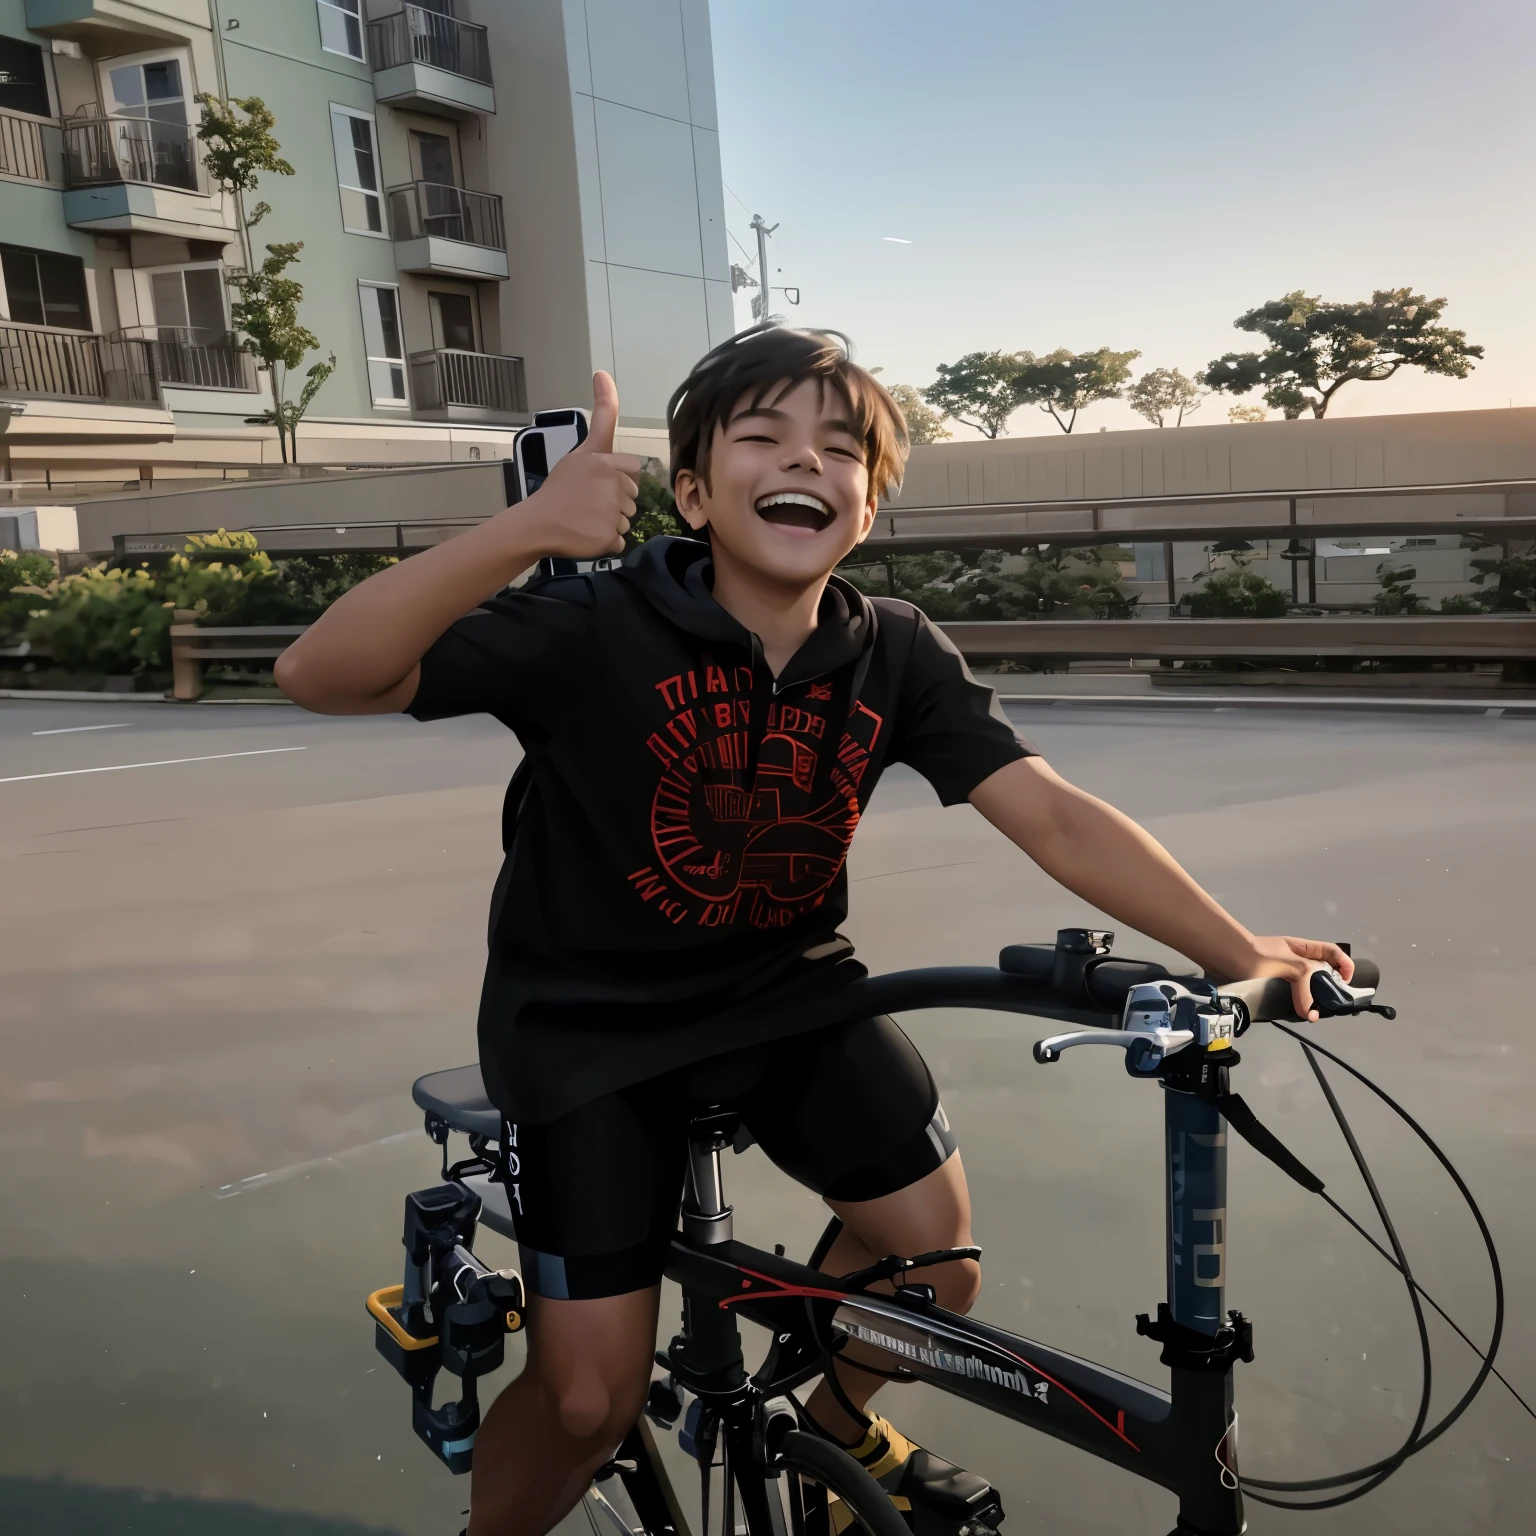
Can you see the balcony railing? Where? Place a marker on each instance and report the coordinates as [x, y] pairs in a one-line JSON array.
[[103, 151], [29, 148], [415, 35], [191, 357], [448, 213], [76, 365], [449, 379]]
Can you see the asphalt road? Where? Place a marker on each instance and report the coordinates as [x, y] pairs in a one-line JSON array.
[[219, 975]]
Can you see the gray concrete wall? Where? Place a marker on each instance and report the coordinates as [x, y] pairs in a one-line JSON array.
[[438, 493]]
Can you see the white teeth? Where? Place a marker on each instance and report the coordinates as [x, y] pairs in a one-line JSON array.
[[794, 499]]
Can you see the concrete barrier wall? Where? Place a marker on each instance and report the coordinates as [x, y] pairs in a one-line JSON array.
[[448, 492], [1430, 448]]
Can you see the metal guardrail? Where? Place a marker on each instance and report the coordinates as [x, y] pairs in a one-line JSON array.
[[102, 151], [1068, 522], [473, 380], [421, 208], [192, 646], [30, 148], [415, 35], [191, 357], [76, 365], [1476, 637]]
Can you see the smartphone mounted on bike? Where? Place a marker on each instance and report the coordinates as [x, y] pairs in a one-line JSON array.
[[535, 452]]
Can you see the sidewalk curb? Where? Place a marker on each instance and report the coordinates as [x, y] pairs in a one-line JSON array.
[[1488, 708], [64, 696]]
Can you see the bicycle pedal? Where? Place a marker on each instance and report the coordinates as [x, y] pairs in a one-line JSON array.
[[948, 1500]]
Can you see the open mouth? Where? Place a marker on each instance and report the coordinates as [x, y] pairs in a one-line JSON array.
[[795, 509]]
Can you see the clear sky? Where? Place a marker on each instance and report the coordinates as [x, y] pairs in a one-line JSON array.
[[1126, 173]]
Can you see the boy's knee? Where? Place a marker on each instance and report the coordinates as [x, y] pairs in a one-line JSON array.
[[595, 1411], [957, 1284]]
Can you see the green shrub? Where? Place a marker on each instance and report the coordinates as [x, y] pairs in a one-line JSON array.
[[112, 621], [116, 620], [1462, 602], [1051, 584], [1240, 594], [24, 582]]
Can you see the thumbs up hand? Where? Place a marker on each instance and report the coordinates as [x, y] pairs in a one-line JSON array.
[[583, 509]]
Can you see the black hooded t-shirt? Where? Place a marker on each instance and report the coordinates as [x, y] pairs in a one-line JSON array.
[[676, 836]]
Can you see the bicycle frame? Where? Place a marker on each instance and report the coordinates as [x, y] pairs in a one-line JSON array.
[[1181, 1438]]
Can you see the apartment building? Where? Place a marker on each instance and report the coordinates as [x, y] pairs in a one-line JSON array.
[[493, 198]]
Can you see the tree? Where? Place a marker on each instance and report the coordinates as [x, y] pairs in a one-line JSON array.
[[1317, 347], [1164, 392], [1240, 414], [977, 391], [267, 312], [924, 424], [1061, 383], [1513, 576], [237, 147], [655, 511], [1396, 594]]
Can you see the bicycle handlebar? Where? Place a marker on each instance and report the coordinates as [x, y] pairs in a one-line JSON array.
[[1024, 982]]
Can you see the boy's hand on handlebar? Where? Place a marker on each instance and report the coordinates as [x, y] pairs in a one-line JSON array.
[[1295, 960], [583, 509]]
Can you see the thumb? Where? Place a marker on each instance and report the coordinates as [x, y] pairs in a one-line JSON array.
[[605, 413]]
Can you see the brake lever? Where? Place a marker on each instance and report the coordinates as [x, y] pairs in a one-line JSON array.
[[1170, 1040], [1333, 998]]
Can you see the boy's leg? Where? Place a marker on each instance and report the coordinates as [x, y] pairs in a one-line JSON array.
[[588, 1370], [853, 1113], [933, 1213]]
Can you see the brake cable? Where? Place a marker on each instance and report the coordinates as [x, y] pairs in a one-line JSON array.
[[1372, 1476]]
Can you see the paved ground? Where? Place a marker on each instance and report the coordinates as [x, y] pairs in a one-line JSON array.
[[219, 975]]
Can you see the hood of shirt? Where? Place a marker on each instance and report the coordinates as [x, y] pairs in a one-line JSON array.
[[676, 577]]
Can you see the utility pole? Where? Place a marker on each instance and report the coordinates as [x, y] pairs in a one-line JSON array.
[[761, 304]]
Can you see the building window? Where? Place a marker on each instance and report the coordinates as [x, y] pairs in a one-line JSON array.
[[453, 320], [45, 288], [383, 341], [357, 171], [341, 27], [190, 300], [149, 99], [23, 78]]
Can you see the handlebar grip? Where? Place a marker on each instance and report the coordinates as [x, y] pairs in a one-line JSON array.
[[1367, 972]]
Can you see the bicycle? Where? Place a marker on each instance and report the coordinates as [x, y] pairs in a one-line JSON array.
[[1180, 1032]]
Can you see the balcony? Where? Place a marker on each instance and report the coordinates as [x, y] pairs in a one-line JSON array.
[[447, 231], [450, 385], [430, 62], [52, 364], [190, 357], [106, 27], [131, 173], [30, 149]]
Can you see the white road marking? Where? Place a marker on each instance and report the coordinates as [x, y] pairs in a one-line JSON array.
[[278, 1175], [164, 762], [69, 730]]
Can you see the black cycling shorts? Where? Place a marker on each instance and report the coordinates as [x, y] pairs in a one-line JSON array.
[[851, 1112]]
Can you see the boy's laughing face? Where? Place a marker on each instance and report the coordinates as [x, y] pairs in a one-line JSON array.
[[788, 488]]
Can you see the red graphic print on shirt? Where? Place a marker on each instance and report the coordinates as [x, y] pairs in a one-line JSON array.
[[747, 842]]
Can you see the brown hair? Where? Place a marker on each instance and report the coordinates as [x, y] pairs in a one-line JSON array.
[[751, 367]]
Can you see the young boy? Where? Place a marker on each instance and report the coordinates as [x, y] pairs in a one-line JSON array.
[[703, 728]]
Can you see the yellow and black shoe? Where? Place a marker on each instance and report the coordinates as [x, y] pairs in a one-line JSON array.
[[936, 1497]]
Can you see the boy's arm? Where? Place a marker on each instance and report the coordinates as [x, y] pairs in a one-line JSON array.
[[1104, 857], [362, 656]]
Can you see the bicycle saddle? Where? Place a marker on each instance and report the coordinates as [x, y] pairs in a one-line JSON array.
[[458, 1096]]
